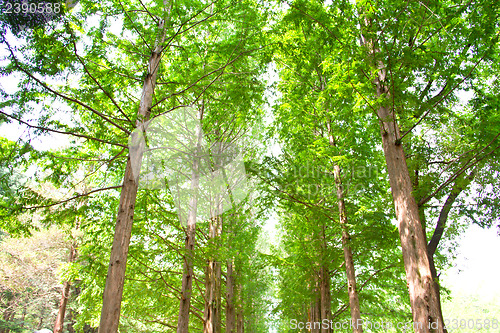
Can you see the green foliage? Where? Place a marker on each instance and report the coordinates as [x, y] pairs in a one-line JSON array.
[[81, 76]]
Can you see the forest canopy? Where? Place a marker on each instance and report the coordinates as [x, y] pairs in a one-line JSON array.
[[149, 147]]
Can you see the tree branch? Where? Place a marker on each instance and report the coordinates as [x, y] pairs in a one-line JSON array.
[[62, 132], [76, 197], [443, 215]]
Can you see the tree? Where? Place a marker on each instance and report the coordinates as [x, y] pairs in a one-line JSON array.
[[322, 140], [442, 76], [106, 77]]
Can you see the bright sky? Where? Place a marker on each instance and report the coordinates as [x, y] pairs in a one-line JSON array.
[[477, 269]]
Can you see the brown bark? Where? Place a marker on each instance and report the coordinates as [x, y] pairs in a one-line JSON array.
[[349, 262], [113, 291], [423, 299], [325, 306], [59, 324], [240, 318], [212, 313], [230, 310], [187, 281], [324, 285], [348, 259], [240, 325], [316, 312], [187, 276]]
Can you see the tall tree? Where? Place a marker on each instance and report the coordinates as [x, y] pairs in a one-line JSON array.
[[395, 63]]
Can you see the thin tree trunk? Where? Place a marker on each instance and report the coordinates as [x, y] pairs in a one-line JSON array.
[[187, 280], [349, 263], [212, 313], [187, 276], [357, 322], [325, 306], [113, 291], [230, 310], [324, 285], [240, 318], [240, 327], [59, 325]]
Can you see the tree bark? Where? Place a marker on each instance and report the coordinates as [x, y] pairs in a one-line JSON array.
[[316, 310], [59, 324], [324, 284], [240, 318], [423, 299], [212, 313], [230, 310], [357, 323], [326, 311], [113, 291], [212, 298], [187, 276], [187, 280], [240, 327]]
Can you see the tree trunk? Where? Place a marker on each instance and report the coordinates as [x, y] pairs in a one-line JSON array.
[[240, 318], [113, 291], [212, 313], [423, 299], [357, 322], [240, 327], [349, 263], [326, 312], [324, 285], [187, 276], [230, 310], [59, 325], [187, 281], [316, 313]]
